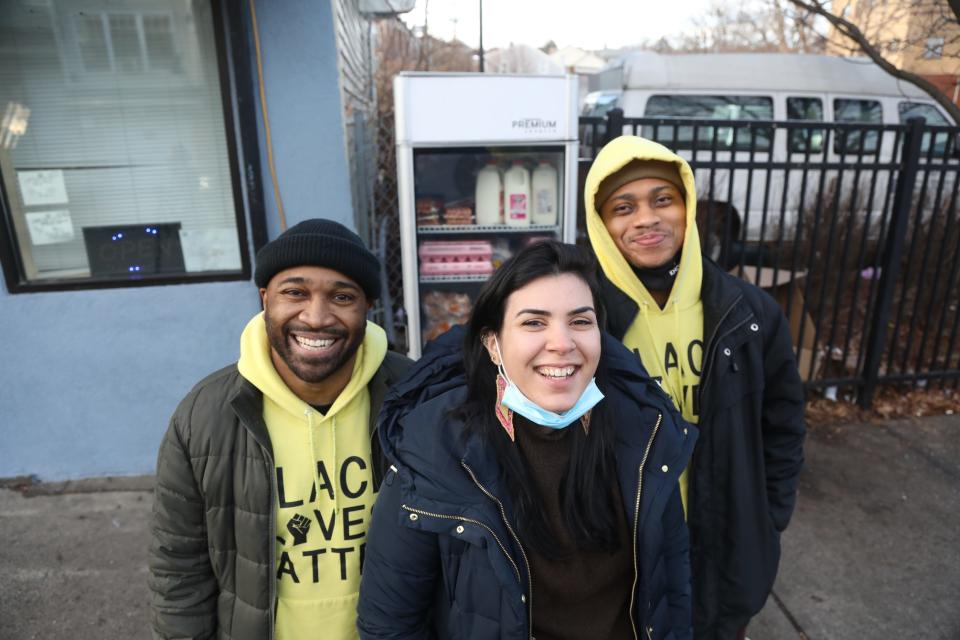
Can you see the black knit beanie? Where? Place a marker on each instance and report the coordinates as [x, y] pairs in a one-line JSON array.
[[320, 243]]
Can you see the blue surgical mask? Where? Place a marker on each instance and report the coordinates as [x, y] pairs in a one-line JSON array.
[[515, 400]]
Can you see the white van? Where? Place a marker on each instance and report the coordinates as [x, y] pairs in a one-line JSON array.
[[767, 86]]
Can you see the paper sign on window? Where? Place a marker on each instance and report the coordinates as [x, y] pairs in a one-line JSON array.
[[210, 249], [42, 187], [50, 227]]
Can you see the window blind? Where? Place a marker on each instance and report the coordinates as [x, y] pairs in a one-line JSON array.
[[125, 116]]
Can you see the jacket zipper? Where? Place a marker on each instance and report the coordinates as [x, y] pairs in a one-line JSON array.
[[711, 345], [374, 470], [442, 516], [636, 528], [273, 543], [503, 514]]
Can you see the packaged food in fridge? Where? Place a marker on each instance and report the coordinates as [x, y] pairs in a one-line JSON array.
[[489, 195], [516, 195], [442, 310], [461, 214], [428, 210], [544, 194], [455, 257]]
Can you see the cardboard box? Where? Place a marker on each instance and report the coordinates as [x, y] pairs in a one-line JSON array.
[[780, 290]]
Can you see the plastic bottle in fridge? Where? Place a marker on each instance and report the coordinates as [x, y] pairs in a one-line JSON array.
[[516, 195], [544, 189], [489, 195]]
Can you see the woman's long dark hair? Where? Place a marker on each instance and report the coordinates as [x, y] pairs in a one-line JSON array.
[[586, 496]]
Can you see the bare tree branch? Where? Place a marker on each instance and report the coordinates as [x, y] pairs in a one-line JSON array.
[[851, 31], [747, 25], [955, 7]]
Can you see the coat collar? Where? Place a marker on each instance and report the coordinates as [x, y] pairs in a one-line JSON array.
[[247, 404]]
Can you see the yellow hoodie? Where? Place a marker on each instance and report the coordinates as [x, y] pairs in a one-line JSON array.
[[669, 341], [320, 533]]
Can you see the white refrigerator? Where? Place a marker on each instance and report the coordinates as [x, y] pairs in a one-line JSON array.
[[485, 165]]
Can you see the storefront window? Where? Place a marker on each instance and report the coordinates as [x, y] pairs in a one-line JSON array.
[[114, 158]]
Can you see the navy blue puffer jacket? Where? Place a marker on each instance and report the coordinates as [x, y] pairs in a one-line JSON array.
[[442, 559]]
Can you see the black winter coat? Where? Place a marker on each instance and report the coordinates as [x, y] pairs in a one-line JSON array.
[[442, 559], [212, 553], [747, 461]]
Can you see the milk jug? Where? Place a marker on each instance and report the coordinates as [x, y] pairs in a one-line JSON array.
[[544, 194], [516, 195], [489, 195]]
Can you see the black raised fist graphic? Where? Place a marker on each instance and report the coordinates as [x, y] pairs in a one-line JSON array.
[[298, 526]]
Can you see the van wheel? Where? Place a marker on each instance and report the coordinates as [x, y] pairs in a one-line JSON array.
[[718, 224]]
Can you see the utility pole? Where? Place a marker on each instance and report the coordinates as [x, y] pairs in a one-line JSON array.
[[481, 36]]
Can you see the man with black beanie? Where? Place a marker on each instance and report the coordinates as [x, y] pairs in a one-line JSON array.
[[270, 467], [721, 349]]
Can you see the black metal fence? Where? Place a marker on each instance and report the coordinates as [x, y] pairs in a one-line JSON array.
[[852, 227]]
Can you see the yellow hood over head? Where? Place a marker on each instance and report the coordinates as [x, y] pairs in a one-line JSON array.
[[613, 157]]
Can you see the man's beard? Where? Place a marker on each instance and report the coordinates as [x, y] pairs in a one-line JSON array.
[[317, 369]]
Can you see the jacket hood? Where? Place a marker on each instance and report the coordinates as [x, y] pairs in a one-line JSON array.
[[256, 366], [613, 157], [414, 422]]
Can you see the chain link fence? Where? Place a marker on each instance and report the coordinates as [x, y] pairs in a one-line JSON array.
[[374, 166]]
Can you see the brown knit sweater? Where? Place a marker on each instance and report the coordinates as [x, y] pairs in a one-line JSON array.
[[585, 594]]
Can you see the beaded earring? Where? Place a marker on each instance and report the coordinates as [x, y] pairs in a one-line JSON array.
[[504, 414]]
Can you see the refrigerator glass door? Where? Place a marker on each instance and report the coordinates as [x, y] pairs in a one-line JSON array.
[[475, 207]]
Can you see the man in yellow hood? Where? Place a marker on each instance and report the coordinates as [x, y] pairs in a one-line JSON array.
[[721, 349], [270, 467]]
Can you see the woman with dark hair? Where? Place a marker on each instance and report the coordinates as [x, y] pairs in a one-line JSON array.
[[533, 490]]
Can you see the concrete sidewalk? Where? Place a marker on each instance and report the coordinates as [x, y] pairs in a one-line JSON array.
[[74, 565], [873, 550], [874, 547]]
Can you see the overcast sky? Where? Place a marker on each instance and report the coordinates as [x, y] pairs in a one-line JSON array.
[[590, 24]]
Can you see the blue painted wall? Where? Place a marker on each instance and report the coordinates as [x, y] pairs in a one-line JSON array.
[[90, 378], [306, 122]]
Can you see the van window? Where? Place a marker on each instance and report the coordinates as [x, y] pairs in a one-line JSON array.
[[922, 110], [934, 118], [857, 111], [711, 108], [603, 103], [804, 140]]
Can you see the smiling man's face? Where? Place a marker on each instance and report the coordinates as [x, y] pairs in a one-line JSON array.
[[316, 320], [647, 220]]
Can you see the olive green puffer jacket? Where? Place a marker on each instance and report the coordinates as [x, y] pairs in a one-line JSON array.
[[212, 565]]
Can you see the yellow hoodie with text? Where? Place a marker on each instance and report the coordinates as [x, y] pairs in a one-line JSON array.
[[324, 489], [669, 341]]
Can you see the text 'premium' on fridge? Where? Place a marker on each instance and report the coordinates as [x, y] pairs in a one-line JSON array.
[[486, 164]]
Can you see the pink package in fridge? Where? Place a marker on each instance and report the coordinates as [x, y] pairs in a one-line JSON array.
[[455, 257]]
